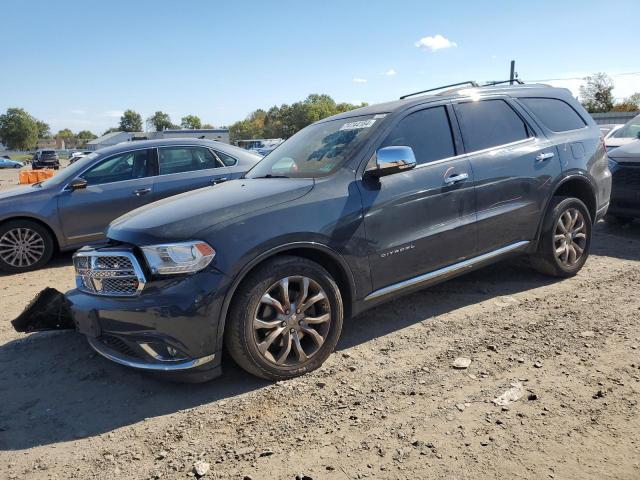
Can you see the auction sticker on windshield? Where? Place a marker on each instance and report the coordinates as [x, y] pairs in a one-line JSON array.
[[358, 125]]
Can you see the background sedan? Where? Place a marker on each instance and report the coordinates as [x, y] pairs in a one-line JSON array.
[[6, 163], [74, 207]]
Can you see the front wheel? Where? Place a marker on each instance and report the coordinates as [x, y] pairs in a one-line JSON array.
[[24, 246], [285, 319], [563, 247]]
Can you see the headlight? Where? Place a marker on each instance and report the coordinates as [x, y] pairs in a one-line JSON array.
[[174, 258], [612, 164]]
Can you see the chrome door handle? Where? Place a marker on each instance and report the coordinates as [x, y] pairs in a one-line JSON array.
[[141, 191], [541, 157], [218, 180], [460, 177]]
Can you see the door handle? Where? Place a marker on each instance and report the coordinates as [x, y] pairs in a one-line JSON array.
[[141, 191], [460, 177], [541, 157], [218, 180]]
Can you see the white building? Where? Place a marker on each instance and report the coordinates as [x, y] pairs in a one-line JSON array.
[[217, 134], [109, 139]]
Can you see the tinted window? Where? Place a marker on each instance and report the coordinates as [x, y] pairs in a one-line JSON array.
[[428, 132], [489, 123], [185, 159], [555, 114], [228, 160], [121, 167]]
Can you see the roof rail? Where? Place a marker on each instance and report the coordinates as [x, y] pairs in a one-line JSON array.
[[469, 82], [500, 82]]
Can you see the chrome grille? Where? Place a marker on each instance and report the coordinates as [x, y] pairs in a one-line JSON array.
[[110, 273]]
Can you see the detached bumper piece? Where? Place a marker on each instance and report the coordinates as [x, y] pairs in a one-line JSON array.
[[49, 310]]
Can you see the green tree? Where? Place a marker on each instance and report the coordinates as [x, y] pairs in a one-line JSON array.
[[284, 121], [596, 94], [18, 129], [208, 126], [629, 104], [112, 130], [130, 121], [160, 121], [65, 134], [191, 122], [84, 136], [43, 129]]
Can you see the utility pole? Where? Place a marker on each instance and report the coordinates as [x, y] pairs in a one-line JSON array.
[[513, 75]]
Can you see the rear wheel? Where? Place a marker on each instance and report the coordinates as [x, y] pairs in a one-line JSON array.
[[24, 245], [565, 240], [285, 319]]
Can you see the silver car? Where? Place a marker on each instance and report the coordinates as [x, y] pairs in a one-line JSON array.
[[74, 207]]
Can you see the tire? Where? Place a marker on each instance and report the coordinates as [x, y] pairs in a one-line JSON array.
[[25, 232], [546, 260], [323, 305], [617, 220]]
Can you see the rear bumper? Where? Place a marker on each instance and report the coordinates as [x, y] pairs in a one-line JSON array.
[[171, 325]]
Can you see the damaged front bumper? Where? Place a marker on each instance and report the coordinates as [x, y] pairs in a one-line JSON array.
[[172, 326]]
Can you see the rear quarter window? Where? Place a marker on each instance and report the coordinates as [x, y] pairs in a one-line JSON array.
[[557, 115]]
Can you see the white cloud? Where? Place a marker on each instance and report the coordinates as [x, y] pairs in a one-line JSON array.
[[436, 42], [113, 113], [359, 80], [77, 112], [390, 73]]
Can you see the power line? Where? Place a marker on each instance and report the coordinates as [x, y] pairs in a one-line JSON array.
[[582, 78]]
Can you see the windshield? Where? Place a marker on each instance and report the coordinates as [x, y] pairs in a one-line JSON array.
[[317, 150], [631, 129], [71, 171]]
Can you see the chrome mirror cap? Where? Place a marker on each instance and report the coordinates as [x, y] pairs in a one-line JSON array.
[[390, 160]]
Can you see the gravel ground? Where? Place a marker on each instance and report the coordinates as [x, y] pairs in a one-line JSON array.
[[387, 403]]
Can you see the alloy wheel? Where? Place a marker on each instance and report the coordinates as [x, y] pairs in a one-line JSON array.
[[21, 247], [292, 321], [570, 237]]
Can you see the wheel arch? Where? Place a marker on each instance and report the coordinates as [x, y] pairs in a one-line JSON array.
[[317, 252], [42, 223], [578, 186]]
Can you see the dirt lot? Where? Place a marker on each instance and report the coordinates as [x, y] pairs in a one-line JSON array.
[[387, 404]]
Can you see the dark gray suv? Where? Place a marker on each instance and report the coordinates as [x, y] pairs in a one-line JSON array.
[[351, 211], [74, 207]]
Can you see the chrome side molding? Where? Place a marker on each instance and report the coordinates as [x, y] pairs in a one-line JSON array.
[[466, 264]]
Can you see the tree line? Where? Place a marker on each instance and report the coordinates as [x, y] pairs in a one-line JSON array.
[[596, 95], [20, 131]]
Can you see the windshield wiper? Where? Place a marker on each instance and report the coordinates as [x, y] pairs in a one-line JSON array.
[[268, 175]]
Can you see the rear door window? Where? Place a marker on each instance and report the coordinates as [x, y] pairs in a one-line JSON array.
[[185, 159], [427, 132], [557, 115], [489, 123]]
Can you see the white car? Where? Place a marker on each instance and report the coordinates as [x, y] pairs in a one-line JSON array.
[[629, 132]]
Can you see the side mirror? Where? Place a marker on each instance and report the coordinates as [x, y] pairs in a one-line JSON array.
[[77, 184], [390, 160]]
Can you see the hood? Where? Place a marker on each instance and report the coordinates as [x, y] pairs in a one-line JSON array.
[[183, 216], [627, 153], [613, 142], [22, 192]]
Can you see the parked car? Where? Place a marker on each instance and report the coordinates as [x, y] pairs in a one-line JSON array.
[[73, 207], [75, 156], [352, 211], [608, 129], [629, 132], [624, 163], [45, 159], [8, 163]]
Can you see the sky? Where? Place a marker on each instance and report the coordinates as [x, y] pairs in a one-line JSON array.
[[80, 64]]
